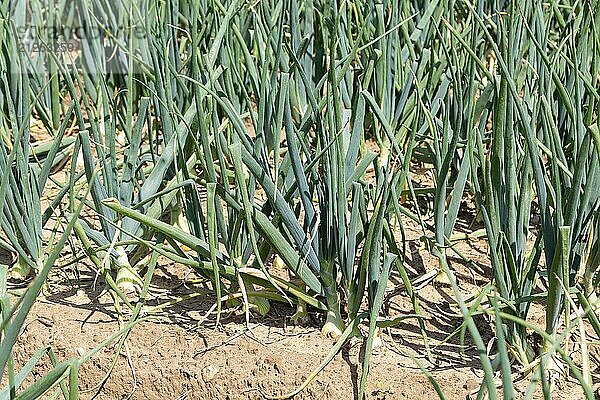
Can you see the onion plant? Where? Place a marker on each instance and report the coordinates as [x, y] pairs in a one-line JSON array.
[[147, 163], [23, 176], [506, 197], [451, 103], [22, 184]]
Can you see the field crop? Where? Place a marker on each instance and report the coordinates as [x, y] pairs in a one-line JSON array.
[[286, 152]]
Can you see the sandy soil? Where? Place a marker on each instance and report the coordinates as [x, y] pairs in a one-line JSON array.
[[179, 354]]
